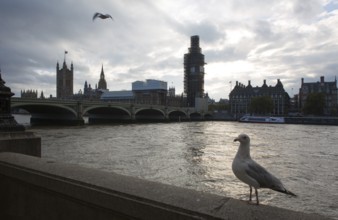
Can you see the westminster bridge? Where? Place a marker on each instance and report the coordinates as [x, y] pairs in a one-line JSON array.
[[72, 112]]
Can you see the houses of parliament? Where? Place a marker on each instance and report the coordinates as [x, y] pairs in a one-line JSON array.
[[150, 91]]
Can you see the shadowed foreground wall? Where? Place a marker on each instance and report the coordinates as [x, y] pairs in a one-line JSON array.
[[35, 188], [20, 142]]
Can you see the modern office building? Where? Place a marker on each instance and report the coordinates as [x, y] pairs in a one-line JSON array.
[[194, 72], [125, 96], [150, 91], [153, 92]]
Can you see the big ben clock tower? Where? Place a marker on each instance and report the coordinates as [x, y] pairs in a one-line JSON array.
[[194, 72]]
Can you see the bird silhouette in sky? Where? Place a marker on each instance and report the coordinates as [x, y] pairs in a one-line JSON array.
[[102, 16]]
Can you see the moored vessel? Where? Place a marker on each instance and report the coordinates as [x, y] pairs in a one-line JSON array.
[[261, 119]]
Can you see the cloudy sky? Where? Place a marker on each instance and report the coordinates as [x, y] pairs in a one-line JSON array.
[[241, 39]]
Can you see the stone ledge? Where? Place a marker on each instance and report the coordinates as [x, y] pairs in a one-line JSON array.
[[17, 135], [35, 188], [20, 142]]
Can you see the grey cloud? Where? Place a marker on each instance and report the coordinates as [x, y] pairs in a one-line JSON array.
[[264, 31], [226, 54], [207, 31], [307, 10]]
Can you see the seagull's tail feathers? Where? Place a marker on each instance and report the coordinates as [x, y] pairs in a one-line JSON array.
[[285, 191]]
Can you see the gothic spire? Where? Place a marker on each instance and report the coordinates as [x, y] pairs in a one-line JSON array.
[[102, 82], [102, 73]]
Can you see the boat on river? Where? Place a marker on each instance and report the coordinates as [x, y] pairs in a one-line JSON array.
[[262, 119]]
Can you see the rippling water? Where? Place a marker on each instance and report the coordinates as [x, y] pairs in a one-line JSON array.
[[198, 155]]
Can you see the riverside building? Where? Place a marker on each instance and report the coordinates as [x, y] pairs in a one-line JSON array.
[[329, 89], [241, 95]]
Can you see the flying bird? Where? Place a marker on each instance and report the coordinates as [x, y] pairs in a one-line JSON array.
[[102, 16], [253, 174]]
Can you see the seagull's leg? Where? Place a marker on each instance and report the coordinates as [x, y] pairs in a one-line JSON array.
[[250, 194], [257, 201]]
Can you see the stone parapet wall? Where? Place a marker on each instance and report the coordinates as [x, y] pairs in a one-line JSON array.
[[35, 188]]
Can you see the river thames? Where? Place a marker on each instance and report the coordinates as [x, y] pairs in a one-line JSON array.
[[198, 155]]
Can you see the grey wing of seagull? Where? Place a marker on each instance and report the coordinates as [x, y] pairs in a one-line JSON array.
[[95, 15], [263, 177], [108, 16]]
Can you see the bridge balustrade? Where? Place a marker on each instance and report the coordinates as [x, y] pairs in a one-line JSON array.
[[72, 112]]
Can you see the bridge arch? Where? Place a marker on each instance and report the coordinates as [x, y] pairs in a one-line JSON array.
[[107, 114], [106, 108], [40, 107], [49, 113], [177, 115], [208, 116], [149, 114], [196, 116]]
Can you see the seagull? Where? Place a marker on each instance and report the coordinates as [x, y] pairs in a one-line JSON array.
[[102, 16], [253, 174]]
